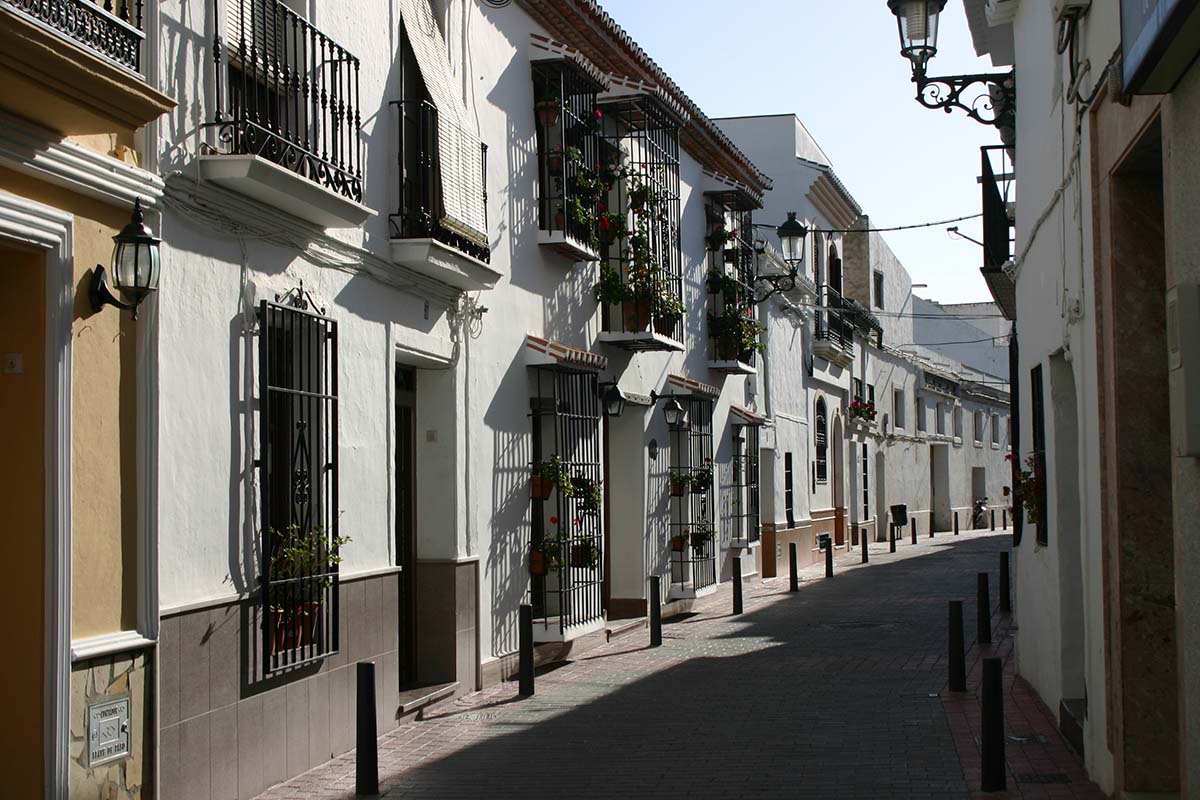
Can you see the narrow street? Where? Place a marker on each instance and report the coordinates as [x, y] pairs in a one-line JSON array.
[[836, 691]]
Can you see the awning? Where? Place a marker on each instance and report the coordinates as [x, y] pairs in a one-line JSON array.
[[690, 386], [744, 416], [541, 352], [460, 159]]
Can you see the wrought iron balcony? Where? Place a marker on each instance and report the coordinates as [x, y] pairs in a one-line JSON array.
[[288, 93], [834, 333], [111, 29], [422, 183], [998, 195]]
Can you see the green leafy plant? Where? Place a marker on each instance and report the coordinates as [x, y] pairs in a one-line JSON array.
[[701, 534], [553, 470], [1029, 488], [735, 334], [702, 477], [590, 494], [667, 308], [610, 288], [306, 560]]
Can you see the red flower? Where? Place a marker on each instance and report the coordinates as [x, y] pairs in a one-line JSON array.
[[604, 223], [733, 233], [577, 520], [554, 520], [599, 114]]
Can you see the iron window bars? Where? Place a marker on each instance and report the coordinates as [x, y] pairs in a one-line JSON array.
[[693, 546], [640, 138], [568, 152], [565, 413], [288, 93], [111, 30], [298, 476], [744, 487], [730, 280], [420, 213], [821, 440], [998, 191]]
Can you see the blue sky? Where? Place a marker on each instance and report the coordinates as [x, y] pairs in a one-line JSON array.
[[837, 65]]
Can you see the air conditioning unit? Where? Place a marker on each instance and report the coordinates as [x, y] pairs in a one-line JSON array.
[[1064, 9]]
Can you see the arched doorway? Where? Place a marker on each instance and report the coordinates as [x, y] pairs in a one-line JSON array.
[[838, 481], [835, 269]]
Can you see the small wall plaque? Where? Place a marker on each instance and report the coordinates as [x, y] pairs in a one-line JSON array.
[[108, 731]]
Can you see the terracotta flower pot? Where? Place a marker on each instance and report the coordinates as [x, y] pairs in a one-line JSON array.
[[540, 488], [678, 543], [678, 489], [538, 564], [306, 623], [554, 163], [637, 315], [283, 630], [560, 220], [548, 112]]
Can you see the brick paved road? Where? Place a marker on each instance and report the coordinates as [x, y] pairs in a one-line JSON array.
[[837, 691]]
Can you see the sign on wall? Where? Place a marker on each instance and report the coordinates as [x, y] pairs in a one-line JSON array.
[[1159, 41], [108, 731]]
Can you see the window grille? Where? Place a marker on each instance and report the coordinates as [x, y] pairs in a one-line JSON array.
[[288, 93], [744, 486], [1039, 451], [789, 500], [996, 429], [729, 237], [568, 152], [822, 442], [866, 485], [898, 408], [978, 420], [298, 476], [878, 290], [693, 547], [640, 139], [921, 414], [568, 527]]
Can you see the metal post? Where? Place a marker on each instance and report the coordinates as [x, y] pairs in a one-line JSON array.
[[1004, 518], [655, 611], [1005, 598], [984, 608], [737, 585], [992, 518], [862, 537], [956, 523], [525, 662], [991, 733], [829, 557], [958, 655], [912, 524], [794, 579], [366, 754], [930, 525], [892, 538]]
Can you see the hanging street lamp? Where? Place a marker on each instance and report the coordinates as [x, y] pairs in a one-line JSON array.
[[792, 235], [995, 102], [135, 265]]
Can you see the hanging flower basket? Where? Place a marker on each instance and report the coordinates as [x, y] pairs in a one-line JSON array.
[[548, 112], [678, 542], [540, 488]]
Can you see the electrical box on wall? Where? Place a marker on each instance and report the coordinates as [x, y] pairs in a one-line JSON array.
[[1183, 361]]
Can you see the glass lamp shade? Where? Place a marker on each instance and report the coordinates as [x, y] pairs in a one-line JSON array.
[[673, 413], [917, 22], [614, 401], [791, 239], [135, 259]]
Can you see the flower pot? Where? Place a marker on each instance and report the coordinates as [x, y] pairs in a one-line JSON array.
[[548, 112], [538, 563], [554, 164], [699, 540], [637, 315], [746, 356], [678, 489], [664, 327], [283, 631], [560, 220], [540, 488], [306, 623], [678, 543]]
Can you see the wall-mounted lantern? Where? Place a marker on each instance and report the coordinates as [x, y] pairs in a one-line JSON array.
[[674, 414], [614, 399], [135, 264]]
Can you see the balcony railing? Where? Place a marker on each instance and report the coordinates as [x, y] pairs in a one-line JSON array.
[[288, 93], [833, 323], [998, 184], [419, 214], [112, 29]]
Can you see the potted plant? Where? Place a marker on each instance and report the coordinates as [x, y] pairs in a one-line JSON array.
[[590, 494], [548, 474], [702, 478], [549, 108], [307, 561], [640, 194], [678, 542], [862, 409], [610, 288], [668, 310], [719, 237], [610, 226], [547, 554], [702, 534], [1028, 491], [680, 480], [554, 163], [585, 553]]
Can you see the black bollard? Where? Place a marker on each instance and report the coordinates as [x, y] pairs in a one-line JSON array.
[[1004, 519], [891, 538], [992, 519], [862, 537], [737, 585], [1005, 598], [991, 733], [829, 557], [525, 662], [794, 579], [930, 526], [956, 523], [913, 526], [655, 611], [983, 634], [366, 754], [958, 655]]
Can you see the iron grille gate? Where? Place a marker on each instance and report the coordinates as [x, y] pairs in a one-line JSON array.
[[298, 476], [730, 279], [745, 483], [565, 413], [693, 546], [568, 149]]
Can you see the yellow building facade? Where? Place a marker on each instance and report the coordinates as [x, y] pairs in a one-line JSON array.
[[72, 389]]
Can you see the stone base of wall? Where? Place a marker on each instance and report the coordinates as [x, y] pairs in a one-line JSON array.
[[124, 675], [227, 731]]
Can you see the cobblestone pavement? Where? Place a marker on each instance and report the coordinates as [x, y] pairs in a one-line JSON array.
[[837, 691]]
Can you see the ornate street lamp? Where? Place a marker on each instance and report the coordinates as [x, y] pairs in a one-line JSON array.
[[135, 263], [792, 237], [674, 414], [994, 104], [614, 400], [792, 234]]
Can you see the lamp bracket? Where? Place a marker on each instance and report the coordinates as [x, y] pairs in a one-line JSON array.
[[946, 92], [100, 295]]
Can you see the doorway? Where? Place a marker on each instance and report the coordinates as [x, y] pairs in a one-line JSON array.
[[978, 492], [940, 512], [406, 518], [881, 504], [838, 446]]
